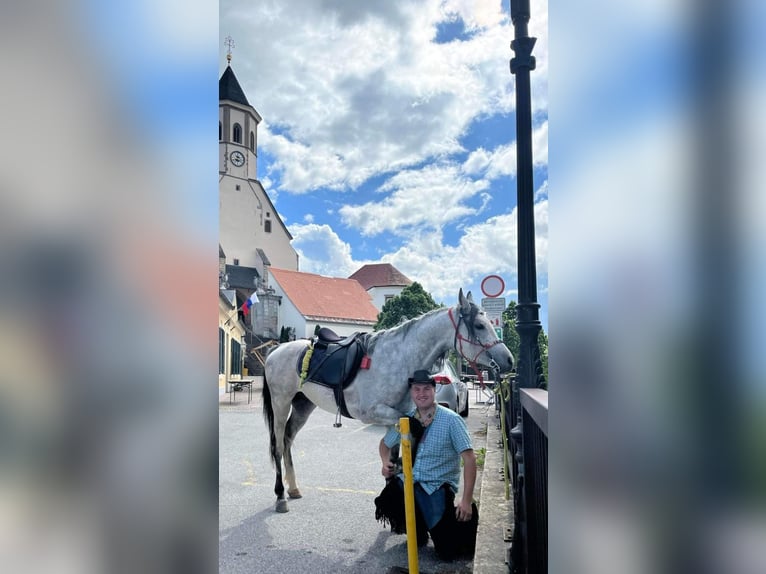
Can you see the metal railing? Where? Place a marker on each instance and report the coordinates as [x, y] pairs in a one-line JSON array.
[[527, 417]]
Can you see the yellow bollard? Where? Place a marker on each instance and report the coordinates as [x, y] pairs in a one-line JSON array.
[[409, 495]]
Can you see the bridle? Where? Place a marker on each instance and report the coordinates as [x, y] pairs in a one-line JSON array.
[[458, 344]]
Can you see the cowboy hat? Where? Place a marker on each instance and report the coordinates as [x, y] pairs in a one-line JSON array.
[[421, 377]]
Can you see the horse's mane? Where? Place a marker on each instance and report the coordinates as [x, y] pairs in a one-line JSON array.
[[404, 328], [399, 330]]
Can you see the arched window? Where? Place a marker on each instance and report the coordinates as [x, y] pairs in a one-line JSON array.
[[220, 131], [237, 133], [252, 141]]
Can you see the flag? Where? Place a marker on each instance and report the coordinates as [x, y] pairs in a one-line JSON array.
[[249, 303]]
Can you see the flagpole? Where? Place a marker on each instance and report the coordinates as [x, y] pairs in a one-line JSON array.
[[230, 316]]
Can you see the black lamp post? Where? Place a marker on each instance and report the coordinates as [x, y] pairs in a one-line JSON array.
[[529, 372], [529, 366]]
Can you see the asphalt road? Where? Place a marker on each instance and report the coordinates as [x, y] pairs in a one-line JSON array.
[[332, 529]]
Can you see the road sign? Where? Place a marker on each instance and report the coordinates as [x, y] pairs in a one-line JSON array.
[[492, 286], [499, 332], [494, 307]]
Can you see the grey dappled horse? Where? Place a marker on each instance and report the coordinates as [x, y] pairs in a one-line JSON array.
[[378, 395]]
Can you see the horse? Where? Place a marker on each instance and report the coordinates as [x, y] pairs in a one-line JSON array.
[[378, 394]]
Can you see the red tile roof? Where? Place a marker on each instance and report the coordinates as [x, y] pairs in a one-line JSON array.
[[380, 275], [327, 298]]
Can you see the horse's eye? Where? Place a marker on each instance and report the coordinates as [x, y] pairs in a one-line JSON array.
[[479, 327]]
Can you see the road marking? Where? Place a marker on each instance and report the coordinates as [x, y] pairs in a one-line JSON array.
[[351, 490], [250, 479]]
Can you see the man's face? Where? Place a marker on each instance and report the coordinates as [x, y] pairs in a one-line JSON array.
[[423, 395]]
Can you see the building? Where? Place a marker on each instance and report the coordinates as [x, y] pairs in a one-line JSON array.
[[309, 300], [252, 236], [231, 340], [250, 230], [382, 281]]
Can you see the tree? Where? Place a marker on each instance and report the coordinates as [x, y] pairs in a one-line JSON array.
[[412, 302]]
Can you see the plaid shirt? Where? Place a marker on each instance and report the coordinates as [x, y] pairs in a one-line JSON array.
[[438, 458]]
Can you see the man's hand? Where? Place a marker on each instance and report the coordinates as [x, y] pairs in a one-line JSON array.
[[463, 511], [389, 469]]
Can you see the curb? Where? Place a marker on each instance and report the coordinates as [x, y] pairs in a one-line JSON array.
[[495, 512]]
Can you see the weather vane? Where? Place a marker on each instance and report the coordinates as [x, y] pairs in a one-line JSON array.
[[229, 43]]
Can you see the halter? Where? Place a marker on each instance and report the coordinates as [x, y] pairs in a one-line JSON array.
[[458, 344]]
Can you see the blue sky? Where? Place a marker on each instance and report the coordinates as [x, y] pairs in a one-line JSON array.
[[388, 134]]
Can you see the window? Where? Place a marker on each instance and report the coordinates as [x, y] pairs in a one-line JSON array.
[[236, 187], [252, 141], [236, 261], [387, 298], [220, 131], [221, 351], [237, 133], [267, 226], [236, 357]]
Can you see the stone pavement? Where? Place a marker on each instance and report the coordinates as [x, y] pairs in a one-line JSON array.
[[495, 512]]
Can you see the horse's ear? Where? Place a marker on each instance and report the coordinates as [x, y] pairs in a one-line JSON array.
[[469, 297], [465, 303]]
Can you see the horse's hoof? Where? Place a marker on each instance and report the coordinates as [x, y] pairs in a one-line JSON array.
[[294, 493], [282, 506]]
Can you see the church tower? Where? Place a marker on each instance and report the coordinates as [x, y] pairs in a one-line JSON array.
[[237, 128], [251, 232]]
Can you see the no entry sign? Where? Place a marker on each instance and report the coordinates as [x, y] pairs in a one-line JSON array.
[[492, 286]]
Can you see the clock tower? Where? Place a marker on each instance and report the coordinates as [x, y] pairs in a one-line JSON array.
[[250, 231], [237, 129]]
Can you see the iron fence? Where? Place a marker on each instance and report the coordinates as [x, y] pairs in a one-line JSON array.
[[527, 418]]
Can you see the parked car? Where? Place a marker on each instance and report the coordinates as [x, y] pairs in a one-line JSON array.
[[451, 392]]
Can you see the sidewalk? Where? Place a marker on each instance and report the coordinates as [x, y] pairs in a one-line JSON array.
[[495, 512]]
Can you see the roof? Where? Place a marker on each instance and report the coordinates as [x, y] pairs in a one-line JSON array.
[[229, 295], [242, 277], [380, 275], [326, 298], [229, 88]]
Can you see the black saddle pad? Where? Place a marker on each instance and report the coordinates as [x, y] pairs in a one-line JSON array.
[[332, 364]]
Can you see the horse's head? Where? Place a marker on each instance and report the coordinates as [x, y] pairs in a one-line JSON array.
[[475, 337]]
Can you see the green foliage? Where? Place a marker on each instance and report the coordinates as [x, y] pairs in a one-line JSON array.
[[481, 456], [412, 302], [542, 343], [513, 341], [510, 335]]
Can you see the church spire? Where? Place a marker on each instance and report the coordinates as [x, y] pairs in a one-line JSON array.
[[229, 42]]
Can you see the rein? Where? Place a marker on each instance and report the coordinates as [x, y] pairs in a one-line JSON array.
[[458, 344]]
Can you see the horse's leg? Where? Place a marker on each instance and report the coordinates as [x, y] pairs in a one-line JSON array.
[[276, 416], [302, 408]]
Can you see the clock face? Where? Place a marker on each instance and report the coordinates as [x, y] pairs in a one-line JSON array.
[[237, 158]]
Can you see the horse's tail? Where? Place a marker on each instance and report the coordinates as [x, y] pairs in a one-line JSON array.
[[268, 416]]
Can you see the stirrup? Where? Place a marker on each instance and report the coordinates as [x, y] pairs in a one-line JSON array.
[[337, 422]]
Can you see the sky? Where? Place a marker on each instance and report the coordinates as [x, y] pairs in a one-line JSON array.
[[388, 134]]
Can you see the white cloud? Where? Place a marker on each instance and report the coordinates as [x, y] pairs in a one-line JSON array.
[[429, 197], [321, 251], [488, 247], [350, 90], [502, 160]]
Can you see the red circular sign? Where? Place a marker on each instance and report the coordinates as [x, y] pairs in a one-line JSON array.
[[492, 286]]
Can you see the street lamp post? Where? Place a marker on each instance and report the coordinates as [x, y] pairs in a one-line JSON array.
[[529, 372], [529, 368]]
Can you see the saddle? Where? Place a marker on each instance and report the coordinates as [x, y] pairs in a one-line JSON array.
[[333, 361]]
